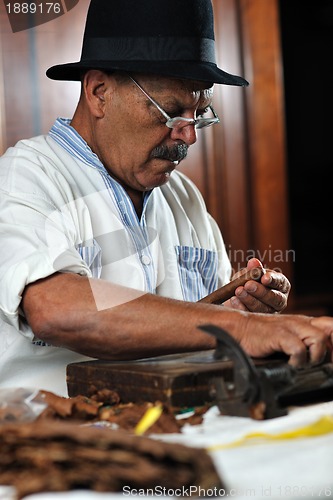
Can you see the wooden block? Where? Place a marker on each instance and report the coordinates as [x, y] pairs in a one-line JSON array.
[[181, 380]]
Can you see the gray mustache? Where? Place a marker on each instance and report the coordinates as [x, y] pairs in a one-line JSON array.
[[174, 153]]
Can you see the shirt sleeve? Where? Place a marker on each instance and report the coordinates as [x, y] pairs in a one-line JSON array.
[[38, 233]]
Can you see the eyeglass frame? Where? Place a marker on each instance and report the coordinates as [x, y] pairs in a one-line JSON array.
[[172, 123]]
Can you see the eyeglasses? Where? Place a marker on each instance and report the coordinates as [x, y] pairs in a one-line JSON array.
[[180, 121]]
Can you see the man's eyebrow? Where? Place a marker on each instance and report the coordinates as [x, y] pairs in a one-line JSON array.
[[174, 103]]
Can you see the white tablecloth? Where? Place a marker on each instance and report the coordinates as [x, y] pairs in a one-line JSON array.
[[269, 468], [298, 467]]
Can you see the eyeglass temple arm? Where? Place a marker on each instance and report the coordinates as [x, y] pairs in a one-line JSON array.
[[151, 100]]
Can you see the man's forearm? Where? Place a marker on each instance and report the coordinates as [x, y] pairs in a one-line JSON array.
[[103, 320]]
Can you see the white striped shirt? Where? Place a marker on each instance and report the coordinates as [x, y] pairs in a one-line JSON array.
[[60, 210]]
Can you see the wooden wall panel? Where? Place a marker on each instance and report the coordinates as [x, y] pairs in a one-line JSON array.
[[17, 87], [33, 101], [265, 128], [59, 42], [230, 144]]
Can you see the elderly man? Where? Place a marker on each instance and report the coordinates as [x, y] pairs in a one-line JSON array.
[[107, 248]]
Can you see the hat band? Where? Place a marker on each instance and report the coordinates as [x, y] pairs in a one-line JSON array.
[[149, 49]]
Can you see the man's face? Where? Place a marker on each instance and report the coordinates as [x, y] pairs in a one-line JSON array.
[[132, 140]]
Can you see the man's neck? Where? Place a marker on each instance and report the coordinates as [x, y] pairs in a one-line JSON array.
[[137, 200]]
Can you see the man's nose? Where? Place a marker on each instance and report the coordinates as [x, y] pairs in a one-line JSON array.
[[187, 134]]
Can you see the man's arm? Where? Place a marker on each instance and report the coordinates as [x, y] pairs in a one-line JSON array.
[[105, 321]]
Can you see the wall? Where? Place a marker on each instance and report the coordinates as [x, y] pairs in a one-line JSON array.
[[31, 100]]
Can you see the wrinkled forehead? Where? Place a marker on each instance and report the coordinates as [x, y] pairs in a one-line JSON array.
[[198, 90], [164, 82]]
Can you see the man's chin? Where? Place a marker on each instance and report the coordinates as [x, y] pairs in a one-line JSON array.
[[159, 180]]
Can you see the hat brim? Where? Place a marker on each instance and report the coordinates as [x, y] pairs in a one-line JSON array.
[[188, 70]]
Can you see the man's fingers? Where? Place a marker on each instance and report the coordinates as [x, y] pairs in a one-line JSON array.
[[325, 323], [316, 341], [310, 351], [268, 295], [295, 349], [257, 298], [235, 303], [277, 281]]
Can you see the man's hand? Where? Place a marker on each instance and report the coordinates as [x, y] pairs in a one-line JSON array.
[[306, 340], [270, 295]]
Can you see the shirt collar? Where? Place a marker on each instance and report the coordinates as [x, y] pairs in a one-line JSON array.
[[65, 135]]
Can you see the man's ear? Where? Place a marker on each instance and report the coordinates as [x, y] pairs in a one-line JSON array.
[[95, 85]]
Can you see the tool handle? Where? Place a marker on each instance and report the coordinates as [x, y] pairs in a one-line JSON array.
[[227, 291]]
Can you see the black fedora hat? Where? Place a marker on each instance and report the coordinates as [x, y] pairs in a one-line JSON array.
[[167, 37]]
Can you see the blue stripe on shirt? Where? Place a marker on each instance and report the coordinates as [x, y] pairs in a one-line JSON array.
[[69, 139], [198, 271]]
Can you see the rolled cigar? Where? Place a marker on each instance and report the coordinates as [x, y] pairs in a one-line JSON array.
[[227, 291]]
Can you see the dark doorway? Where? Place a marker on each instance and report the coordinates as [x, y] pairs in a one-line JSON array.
[[307, 45]]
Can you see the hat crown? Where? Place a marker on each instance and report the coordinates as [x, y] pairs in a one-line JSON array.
[[173, 38], [150, 18]]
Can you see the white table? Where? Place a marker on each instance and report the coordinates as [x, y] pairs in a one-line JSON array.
[[263, 468]]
